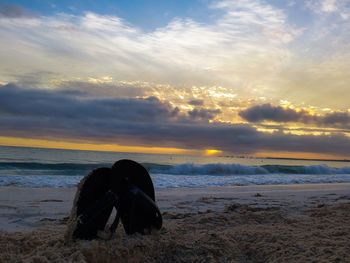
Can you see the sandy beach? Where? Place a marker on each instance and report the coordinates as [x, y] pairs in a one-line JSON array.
[[234, 112], [281, 223]]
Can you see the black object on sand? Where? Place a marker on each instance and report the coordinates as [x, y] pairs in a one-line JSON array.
[[128, 188], [139, 212]]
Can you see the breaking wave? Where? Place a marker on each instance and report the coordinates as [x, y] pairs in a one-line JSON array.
[[238, 169], [21, 168], [180, 175]]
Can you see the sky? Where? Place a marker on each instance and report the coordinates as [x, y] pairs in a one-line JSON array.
[[243, 77]]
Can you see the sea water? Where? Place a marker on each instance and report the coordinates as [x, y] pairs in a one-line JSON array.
[[34, 167]]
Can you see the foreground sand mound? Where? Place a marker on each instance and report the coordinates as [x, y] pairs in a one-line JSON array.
[[238, 234]]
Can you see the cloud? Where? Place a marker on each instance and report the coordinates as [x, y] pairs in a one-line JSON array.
[[106, 88], [184, 52], [251, 48], [269, 112], [74, 105], [196, 102], [13, 11], [203, 114], [336, 118], [327, 6], [73, 116]]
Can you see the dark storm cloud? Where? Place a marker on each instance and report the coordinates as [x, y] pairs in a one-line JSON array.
[[46, 114], [203, 114], [13, 11], [268, 112], [336, 118], [74, 105]]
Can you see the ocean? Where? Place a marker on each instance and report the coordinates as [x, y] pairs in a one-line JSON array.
[[34, 167]]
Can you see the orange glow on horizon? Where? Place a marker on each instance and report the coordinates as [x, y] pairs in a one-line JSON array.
[[12, 141], [40, 143]]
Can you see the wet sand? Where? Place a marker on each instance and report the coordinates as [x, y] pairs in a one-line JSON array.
[[294, 223]]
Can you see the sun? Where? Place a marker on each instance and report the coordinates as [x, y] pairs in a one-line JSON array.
[[212, 152]]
